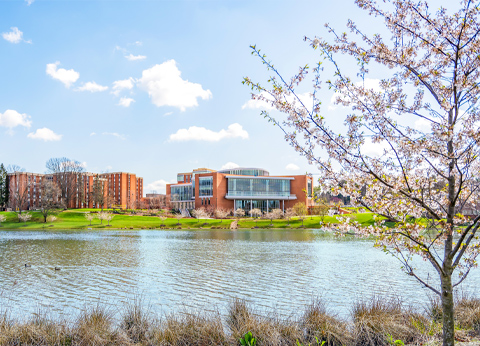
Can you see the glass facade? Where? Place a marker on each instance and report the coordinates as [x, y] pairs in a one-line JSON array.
[[181, 192], [256, 172], [180, 177], [258, 187], [309, 188], [205, 187], [263, 205]]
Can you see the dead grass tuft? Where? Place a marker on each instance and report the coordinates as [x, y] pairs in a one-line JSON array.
[[467, 313], [379, 322]]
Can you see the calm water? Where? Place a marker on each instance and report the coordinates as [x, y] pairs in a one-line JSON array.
[[177, 270]]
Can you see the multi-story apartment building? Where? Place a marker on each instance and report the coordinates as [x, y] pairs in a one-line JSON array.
[[77, 190], [244, 188], [125, 189]]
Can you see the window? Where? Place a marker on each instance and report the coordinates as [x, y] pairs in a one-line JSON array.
[[181, 193], [205, 187], [258, 187]]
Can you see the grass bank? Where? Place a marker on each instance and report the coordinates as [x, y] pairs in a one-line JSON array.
[[75, 219], [373, 323]]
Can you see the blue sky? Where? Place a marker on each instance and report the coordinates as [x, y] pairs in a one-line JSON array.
[[151, 87]]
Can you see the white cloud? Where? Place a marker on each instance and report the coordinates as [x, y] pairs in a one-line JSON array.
[[114, 134], [45, 134], [305, 98], [92, 87], [374, 149], [159, 186], [124, 84], [230, 165], [167, 114], [195, 133], [292, 167], [14, 36], [138, 43], [423, 125], [259, 104], [67, 77], [11, 118], [125, 102], [29, 2], [92, 134], [166, 87], [84, 164], [132, 57]]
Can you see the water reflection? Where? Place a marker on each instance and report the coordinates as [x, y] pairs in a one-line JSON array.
[[198, 269]]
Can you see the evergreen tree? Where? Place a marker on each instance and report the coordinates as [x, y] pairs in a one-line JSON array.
[[3, 187]]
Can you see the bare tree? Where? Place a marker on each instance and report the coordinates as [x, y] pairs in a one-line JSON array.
[[49, 201], [66, 173], [99, 195]]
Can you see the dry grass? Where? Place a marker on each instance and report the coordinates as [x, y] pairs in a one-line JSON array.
[[375, 322], [190, 329], [467, 313], [378, 322], [322, 326]]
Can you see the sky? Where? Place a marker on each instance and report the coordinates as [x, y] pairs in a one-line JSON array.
[[153, 87]]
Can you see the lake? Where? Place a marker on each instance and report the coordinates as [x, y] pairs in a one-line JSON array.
[[194, 270]]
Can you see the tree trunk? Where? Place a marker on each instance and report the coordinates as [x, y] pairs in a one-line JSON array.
[[448, 311]]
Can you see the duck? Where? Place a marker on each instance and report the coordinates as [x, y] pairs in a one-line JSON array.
[[27, 265], [57, 268]]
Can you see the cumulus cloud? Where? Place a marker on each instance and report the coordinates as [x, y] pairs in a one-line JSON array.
[[165, 86], [11, 118], [29, 2], [230, 165], [159, 186], [45, 135], [125, 102], [114, 134], [195, 133], [92, 87], [132, 57], [292, 167], [305, 98], [67, 77], [14, 36], [124, 84]]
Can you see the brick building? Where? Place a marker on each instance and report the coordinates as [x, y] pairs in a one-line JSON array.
[[125, 189], [245, 188], [77, 189]]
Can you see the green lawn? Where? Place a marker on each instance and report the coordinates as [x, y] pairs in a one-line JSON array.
[[74, 219]]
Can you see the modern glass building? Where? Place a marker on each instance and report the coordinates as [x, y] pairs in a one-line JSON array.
[[245, 188]]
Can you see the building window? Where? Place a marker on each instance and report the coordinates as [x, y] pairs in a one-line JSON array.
[[258, 187], [205, 186]]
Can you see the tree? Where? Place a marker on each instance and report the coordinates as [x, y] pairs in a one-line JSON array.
[[19, 195], [431, 76], [301, 211], [67, 174], [162, 220], [4, 188], [221, 214], [200, 214], [3, 218], [89, 217], [255, 212], [99, 196], [289, 213], [105, 216], [49, 201], [24, 217], [179, 216], [239, 212], [273, 215]]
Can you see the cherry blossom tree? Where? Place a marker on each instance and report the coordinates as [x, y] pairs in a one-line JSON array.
[[200, 214], [239, 212], [289, 213], [221, 213], [89, 217], [24, 217], [423, 115], [3, 218], [255, 212], [162, 220]]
